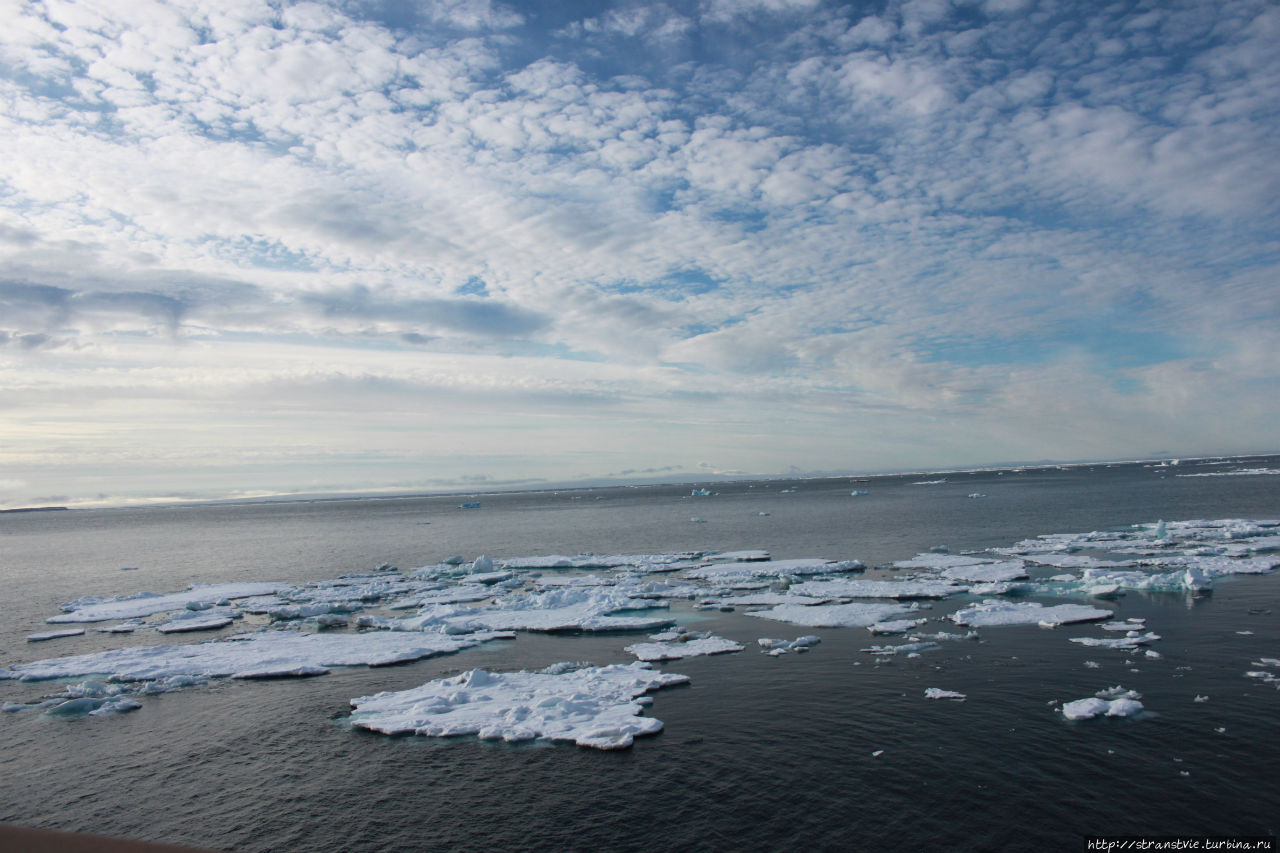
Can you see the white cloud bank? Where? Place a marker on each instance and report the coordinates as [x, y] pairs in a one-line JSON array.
[[313, 246]]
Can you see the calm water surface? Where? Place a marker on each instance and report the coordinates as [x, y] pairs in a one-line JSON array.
[[758, 753]]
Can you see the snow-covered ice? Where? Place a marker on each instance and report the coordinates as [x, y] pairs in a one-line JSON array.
[[832, 615], [859, 588], [992, 612], [1112, 702], [590, 706], [264, 653], [97, 609], [42, 636], [726, 572], [696, 646]]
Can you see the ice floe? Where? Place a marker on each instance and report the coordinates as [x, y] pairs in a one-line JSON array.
[[938, 693], [1129, 642], [97, 609], [727, 572], [896, 626], [992, 612], [568, 609], [674, 645], [855, 615], [776, 647], [859, 588], [590, 706], [43, 636], [1112, 702], [262, 654]]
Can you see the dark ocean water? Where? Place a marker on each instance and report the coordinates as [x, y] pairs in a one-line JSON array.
[[758, 753]]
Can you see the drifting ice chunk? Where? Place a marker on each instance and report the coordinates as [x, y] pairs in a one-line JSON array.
[[940, 561], [1112, 702], [275, 651], [896, 626], [95, 609], [687, 649], [876, 589], [752, 556], [1010, 570], [593, 706], [936, 693], [832, 615], [781, 647], [772, 568], [567, 609], [990, 613], [208, 620], [1127, 643], [54, 635]]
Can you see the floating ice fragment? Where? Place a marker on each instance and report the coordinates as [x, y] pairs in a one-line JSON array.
[[772, 568], [1112, 702], [54, 635], [1200, 698], [122, 628], [992, 612], [209, 620], [689, 648], [275, 651], [1127, 643], [937, 693], [781, 647], [896, 626], [876, 589], [832, 615], [592, 706], [877, 753], [96, 609], [1008, 570]]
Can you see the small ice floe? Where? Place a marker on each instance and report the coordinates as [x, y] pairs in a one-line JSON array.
[[877, 753], [940, 561], [96, 609], [992, 612], [858, 493], [777, 648], [122, 628], [590, 706], [991, 573], [1262, 675], [1127, 643], [700, 493], [896, 626], [1091, 664], [674, 645], [976, 495], [1131, 624], [1267, 662], [565, 609], [194, 620], [1112, 702], [937, 693], [929, 482], [1200, 698], [725, 573], [745, 556], [832, 615], [911, 649], [54, 635], [859, 588]]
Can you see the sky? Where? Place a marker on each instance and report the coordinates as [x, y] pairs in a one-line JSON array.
[[258, 247]]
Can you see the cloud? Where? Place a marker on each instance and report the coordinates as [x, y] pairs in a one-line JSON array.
[[690, 213]]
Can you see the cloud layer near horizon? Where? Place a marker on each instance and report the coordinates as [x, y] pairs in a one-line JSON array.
[[346, 244]]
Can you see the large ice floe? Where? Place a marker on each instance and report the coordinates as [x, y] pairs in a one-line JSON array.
[[596, 706], [992, 612], [200, 596], [265, 654]]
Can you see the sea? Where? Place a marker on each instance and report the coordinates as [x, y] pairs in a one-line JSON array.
[[835, 749]]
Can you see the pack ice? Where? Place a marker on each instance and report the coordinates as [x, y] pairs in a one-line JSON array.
[[595, 706]]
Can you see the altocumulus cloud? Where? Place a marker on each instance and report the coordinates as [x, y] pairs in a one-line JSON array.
[[777, 231]]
